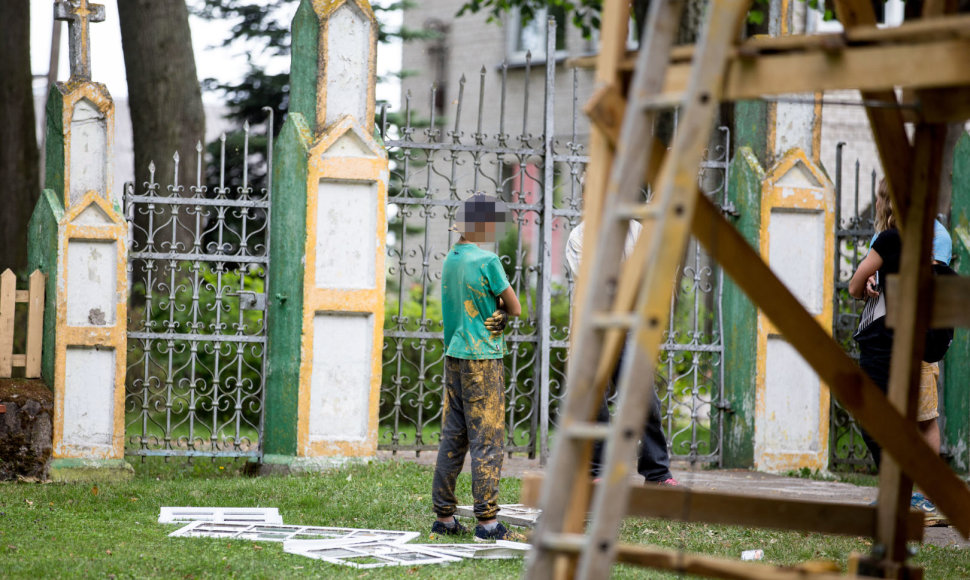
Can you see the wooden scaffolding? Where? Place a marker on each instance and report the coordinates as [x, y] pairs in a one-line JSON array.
[[928, 58]]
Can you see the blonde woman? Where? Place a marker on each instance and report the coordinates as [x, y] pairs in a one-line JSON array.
[[876, 341]]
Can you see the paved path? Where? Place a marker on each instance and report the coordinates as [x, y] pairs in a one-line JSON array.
[[736, 481]]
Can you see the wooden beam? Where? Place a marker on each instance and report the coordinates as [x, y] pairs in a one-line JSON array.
[[914, 31], [949, 296], [689, 505], [711, 567], [854, 389], [868, 68]]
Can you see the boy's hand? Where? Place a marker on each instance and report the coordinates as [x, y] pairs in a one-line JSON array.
[[496, 322]]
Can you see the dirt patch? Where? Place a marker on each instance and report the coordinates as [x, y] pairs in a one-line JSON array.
[[26, 428], [28, 389]]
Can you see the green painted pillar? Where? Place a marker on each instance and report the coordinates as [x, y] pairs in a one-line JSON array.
[[287, 243], [42, 255], [751, 129], [955, 404], [741, 320]]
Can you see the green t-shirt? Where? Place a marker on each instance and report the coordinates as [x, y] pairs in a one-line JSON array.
[[471, 280]]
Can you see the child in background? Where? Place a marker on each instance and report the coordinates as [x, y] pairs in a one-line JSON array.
[[473, 283]]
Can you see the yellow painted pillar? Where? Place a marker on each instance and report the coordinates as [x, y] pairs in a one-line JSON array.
[[797, 240], [339, 283], [79, 240]]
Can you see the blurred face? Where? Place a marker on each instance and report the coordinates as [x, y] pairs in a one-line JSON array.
[[480, 232]]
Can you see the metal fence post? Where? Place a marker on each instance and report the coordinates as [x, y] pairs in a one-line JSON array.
[[545, 270]]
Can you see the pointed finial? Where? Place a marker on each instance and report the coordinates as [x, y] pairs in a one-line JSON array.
[[198, 146]]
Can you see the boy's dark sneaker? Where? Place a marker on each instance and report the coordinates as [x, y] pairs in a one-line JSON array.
[[440, 528], [500, 532]]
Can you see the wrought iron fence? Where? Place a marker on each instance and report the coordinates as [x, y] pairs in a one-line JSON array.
[[853, 232], [435, 165], [197, 327]]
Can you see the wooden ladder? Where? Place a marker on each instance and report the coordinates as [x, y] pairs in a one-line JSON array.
[[637, 307], [616, 301]]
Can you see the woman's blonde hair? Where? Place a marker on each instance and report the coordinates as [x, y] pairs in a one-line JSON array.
[[884, 211]]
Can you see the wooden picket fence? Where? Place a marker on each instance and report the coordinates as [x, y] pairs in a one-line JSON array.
[[9, 297]]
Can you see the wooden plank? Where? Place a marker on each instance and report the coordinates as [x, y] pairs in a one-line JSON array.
[[605, 111], [688, 505], [8, 294], [35, 324], [912, 321], [950, 301], [940, 105], [865, 68], [18, 361], [854, 389], [22, 296], [708, 566], [913, 31]]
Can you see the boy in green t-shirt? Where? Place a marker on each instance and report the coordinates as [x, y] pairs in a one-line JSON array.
[[473, 284]]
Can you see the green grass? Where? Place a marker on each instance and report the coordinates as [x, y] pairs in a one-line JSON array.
[[110, 530]]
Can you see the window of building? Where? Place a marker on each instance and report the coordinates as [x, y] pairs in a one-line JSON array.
[[530, 36]]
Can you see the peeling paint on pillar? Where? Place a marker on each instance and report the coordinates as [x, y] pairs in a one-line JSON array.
[[797, 239], [955, 402], [741, 319]]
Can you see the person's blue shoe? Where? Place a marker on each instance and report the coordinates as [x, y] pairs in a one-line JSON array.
[[500, 532], [444, 530], [920, 502]]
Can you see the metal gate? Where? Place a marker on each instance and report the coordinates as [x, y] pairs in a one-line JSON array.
[[433, 167], [853, 231], [197, 318]]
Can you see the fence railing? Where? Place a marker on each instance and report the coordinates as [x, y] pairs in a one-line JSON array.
[[10, 296]]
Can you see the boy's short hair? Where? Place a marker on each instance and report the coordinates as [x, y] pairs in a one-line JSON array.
[[480, 209]]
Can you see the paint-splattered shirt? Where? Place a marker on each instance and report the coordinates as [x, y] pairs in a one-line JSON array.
[[471, 280]]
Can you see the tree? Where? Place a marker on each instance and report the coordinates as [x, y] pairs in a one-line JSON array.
[[164, 95], [18, 148]]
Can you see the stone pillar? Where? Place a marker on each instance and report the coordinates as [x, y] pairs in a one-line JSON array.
[[327, 246], [797, 241], [765, 132], [78, 238]]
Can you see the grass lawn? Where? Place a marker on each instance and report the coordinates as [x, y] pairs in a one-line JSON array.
[[110, 530]]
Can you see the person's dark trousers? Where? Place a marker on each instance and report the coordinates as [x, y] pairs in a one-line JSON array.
[[473, 419], [653, 462], [875, 358]]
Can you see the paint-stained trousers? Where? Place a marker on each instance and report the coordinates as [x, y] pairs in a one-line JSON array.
[[473, 419]]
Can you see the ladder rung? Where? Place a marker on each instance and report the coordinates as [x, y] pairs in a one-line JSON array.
[[639, 211], [612, 320], [568, 543], [585, 430], [661, 102]]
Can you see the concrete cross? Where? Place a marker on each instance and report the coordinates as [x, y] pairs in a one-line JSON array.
[[78, 14]]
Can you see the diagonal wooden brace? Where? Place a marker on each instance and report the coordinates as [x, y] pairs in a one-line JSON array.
[[854, 389]]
